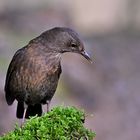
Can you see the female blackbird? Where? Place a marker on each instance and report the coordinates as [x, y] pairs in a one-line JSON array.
[[34, 71]]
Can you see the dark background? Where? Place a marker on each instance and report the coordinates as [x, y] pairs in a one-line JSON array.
[[108, 89]]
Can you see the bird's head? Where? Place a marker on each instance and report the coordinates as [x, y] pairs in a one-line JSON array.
[[63, 40]]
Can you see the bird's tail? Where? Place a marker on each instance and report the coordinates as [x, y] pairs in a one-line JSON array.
[[31, 110]]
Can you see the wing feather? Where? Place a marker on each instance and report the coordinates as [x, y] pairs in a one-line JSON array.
[[12, 67]]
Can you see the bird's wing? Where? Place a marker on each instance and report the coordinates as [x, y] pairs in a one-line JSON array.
[[12, 67]]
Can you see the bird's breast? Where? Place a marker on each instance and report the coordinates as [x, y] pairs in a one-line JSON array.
[[37, 79]]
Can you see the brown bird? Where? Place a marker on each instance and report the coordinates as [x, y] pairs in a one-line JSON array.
[[34, 71]]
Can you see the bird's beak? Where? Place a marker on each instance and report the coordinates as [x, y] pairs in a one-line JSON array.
[[86, 55]]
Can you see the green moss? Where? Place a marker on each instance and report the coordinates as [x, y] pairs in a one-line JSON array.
[[62, 123]]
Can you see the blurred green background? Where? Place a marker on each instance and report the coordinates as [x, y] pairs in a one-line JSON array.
[[108, 88]]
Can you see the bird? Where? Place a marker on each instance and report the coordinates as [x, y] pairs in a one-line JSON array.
[[34, 71]]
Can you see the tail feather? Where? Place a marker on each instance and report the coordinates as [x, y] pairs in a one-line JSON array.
[[31, 110], [34, 110], [20, 110]]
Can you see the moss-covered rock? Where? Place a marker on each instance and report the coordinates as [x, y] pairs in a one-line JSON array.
[[62, 123]]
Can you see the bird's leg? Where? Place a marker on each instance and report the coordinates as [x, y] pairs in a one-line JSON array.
[[23, 119], [48, 105], [24, 114]]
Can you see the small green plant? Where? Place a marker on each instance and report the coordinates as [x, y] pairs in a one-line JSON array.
[[62, 123]]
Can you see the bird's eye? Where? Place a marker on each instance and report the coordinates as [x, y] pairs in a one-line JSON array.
[[73, 45]]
